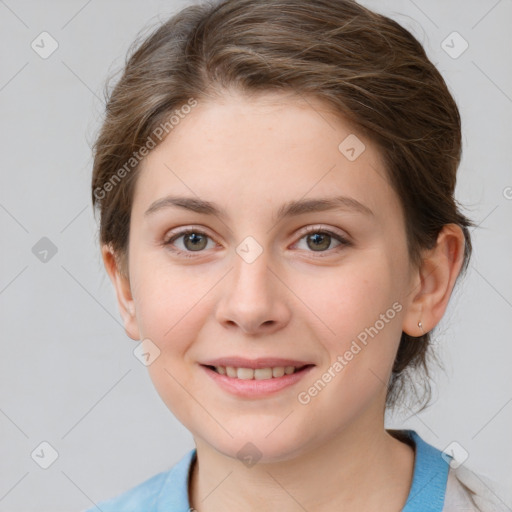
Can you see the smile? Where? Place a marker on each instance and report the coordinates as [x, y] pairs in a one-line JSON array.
[[252, 383], [257, 373]]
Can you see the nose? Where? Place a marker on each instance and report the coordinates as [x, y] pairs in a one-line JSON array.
[[254, 297]]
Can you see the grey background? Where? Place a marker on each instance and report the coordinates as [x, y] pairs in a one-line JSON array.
[[68, 373]]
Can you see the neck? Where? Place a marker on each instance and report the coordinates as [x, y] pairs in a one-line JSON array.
[[360, 469]]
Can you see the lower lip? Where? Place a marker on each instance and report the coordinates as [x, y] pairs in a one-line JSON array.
[[253, 388]]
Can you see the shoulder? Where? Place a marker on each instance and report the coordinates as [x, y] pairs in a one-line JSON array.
[[473, 492], [167, 490], [141, 497]]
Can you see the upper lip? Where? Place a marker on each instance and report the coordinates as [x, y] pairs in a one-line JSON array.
[[262, 362]]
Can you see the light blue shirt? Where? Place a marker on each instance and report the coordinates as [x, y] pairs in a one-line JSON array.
[[168, 491]]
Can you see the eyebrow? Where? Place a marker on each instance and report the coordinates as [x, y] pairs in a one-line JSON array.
[[290, 209]]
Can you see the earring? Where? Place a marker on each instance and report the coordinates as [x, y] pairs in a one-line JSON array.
[[420, 325]]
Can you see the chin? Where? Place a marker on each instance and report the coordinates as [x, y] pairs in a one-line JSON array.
[[254, 447]]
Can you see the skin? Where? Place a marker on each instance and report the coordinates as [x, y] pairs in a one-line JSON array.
[[250, 156]]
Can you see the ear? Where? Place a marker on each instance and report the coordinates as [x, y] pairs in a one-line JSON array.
[[123, 292], [434, 281]]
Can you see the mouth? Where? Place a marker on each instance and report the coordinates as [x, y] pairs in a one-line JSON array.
[[267, 373], [257, 379]]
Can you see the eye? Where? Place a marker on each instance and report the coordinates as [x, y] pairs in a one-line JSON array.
[[319, 240], [194, 240]]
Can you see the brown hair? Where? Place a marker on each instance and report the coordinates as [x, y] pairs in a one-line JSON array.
[[365, 66]]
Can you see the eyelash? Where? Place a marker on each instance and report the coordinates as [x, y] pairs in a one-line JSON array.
[[312, 229]]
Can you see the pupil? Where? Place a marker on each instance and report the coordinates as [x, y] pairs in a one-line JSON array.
[[320, 237], [195, 239]]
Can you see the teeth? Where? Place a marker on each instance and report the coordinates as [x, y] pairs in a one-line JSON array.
[[257, 374], [262, 373], [245, 373], [278, 371], [231, 372]]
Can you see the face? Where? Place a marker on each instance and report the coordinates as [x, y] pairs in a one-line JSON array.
[[260, 285]]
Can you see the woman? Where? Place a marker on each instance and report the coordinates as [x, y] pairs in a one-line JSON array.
[[275, 181]]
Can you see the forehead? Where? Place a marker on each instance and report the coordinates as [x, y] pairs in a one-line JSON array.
[[262, 151]]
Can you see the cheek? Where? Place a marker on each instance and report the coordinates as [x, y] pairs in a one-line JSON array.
[[170, 306], [361, 318], [367, 328], [349, 298], [169, 312]]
